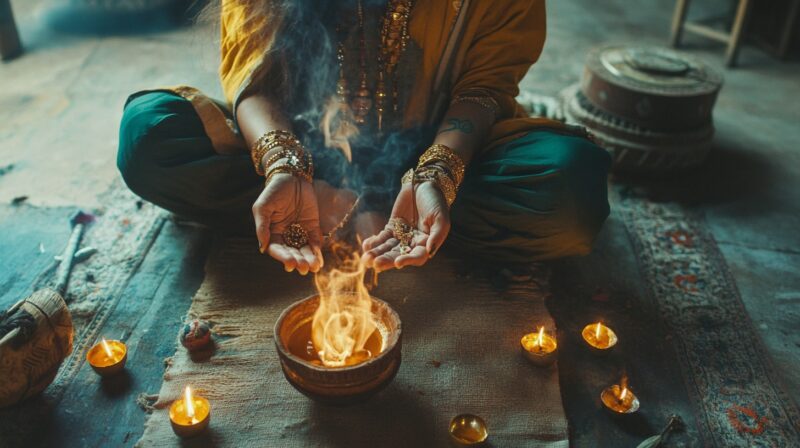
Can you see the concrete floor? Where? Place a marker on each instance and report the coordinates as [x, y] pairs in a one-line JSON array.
[[61, 103]]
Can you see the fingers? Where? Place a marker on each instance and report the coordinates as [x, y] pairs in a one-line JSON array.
[[313, 251], [417, 257], [438, 233], [370, 257], [376, 240], [262, 213], [282, 253], [313, 261], [301, 262], [386, 259]]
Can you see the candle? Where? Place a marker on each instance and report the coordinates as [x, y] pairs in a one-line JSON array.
[[107, 357], [190, 414], [619, 398], [539, 348], [599, 336]]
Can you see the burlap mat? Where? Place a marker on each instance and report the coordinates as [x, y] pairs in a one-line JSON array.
[[460, 354]]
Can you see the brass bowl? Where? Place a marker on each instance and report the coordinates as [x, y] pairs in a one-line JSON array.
[[338, 385]]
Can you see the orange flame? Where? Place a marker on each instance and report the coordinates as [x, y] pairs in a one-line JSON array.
[[187, 401], [623, 385], [106, 348], [597, 331], [540, 338], [337, 126], [344, 320]]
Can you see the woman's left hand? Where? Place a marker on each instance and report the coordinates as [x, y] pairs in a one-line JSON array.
[[383, 251]]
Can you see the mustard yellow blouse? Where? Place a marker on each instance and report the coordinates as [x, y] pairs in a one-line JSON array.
[[467, 45]]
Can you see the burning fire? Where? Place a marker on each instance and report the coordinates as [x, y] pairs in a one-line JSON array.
[[187, 401], [106, 348], [540, 337], [344, 320], [623, 385]]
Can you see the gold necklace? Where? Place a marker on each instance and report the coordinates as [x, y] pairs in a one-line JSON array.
[[393, 40]]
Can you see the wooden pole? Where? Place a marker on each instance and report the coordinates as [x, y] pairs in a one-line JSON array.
[[742, 13], [10, 45], [788, 28], [678, 19]]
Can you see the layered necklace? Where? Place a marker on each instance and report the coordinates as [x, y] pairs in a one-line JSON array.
[[393, 40]]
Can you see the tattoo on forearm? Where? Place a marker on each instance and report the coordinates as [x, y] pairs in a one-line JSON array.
[[458, 124]]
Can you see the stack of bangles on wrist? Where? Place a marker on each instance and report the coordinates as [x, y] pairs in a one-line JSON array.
[[440, 165], [290, 157]]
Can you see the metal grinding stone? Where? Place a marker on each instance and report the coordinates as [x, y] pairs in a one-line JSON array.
[[656, 88]]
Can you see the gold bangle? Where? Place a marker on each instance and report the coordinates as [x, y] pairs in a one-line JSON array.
[[436, 174], [441, 153], [301, 166], [270, 141]]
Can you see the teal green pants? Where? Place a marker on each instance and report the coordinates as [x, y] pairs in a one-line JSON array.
[[541, 196]]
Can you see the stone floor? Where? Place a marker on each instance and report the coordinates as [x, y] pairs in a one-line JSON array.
[[61, 102]]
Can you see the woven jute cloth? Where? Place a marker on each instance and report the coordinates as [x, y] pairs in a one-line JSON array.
[[461, 354]]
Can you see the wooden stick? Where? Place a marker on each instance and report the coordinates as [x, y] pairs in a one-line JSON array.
[[10, 45], [678, 19]]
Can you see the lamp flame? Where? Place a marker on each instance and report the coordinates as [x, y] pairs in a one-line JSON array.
[[540, 338], [623, 394], [344, 320], [188, 402], [106, 348], [597, 331]]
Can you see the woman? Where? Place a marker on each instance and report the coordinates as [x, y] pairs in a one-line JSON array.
[[352, 94]]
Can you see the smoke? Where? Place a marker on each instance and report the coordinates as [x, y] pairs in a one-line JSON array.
[[305, 80]]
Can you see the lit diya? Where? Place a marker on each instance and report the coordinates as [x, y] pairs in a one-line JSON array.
[[107, 357], [619, 398], [341, 345], [190, 414], [599, 336], [539, 348]]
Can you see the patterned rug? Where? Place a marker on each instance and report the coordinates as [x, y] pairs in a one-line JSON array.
[[123, 232], [737, 397], [460, 355]]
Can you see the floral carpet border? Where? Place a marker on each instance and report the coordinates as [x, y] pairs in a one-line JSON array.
[[735, 391]]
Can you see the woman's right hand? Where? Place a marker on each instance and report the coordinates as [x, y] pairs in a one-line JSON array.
[[275, 209]]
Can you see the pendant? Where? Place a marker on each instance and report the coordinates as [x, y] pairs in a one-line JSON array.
[[295, 236], [361, 105]]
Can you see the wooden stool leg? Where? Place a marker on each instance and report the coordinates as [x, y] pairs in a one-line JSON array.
[[788, 27], [9, 38], [678, 19], [742, 13]]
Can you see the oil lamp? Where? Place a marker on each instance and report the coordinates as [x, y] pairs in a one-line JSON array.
[[619, 398], [107, 357], [599, 336], [189, 415], [539, 348]]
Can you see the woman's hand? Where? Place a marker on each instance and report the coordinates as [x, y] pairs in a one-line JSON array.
[[383, 250], [275, 209]]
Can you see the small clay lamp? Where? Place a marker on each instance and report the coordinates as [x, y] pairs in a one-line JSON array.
[[539, 348], [599, 337], [619, 399], [107, 357], [189, 415]]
